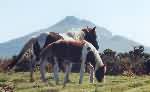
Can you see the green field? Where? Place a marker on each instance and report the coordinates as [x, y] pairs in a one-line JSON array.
[[20, 83]]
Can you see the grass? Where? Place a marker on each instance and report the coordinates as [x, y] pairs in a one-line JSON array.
[[19, 82]]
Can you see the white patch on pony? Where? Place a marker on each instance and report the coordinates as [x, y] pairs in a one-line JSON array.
[[42, 39], [65, 36], [98, 60], [76, 34], [26, 56], [104, 80]]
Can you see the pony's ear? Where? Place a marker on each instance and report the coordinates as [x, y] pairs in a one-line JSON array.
[[87, 28], [94, 28]]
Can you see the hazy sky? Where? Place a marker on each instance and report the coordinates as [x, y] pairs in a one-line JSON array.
[[130, 18]]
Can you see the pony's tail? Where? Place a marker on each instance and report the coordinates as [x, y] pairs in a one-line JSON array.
[[28, 45]]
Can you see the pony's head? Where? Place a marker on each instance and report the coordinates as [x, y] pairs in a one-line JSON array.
[[100, 69], [90, 36], [100, 73], [13, 63]]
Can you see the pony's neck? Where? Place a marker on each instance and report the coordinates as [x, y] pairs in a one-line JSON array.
[[98, 60], [15, 61]]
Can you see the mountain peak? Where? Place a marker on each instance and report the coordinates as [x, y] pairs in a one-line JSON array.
[[75, 22], [71, 18]]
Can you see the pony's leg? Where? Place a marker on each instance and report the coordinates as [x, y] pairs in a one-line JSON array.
[[82, 69], [66, 74], [69, 71], [56, 70], [81, 72], [56, 73], [91, 69], [42, 70], [32, 63], [32, 66]]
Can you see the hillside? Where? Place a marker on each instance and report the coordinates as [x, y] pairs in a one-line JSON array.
[[105, 37]]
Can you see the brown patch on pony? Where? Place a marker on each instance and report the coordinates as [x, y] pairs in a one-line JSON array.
[[52, 37], [70, 50], [72, 42]]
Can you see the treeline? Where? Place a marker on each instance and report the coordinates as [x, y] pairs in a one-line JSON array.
[[133, 62], [4, 62]]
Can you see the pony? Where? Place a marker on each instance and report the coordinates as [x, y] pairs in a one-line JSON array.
[[34, 46], [72, 51]]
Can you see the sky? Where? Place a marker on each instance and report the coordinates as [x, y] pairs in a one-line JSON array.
[[128, 18]]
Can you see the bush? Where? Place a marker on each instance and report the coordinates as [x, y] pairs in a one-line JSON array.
[[134, 61]]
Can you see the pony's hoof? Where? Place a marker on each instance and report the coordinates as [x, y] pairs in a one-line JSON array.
[[57, 83], [80, 82], [92, 81], [64, 86], [45, 80], [68, 81]]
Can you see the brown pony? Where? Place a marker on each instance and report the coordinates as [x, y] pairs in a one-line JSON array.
[[72, 52]]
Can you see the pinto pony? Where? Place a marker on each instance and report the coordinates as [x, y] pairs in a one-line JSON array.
[[34, 46], [72, 52]]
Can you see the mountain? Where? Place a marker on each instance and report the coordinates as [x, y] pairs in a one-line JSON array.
[[105, 37]]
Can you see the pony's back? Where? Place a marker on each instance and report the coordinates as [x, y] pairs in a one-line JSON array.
[[64, 49]]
